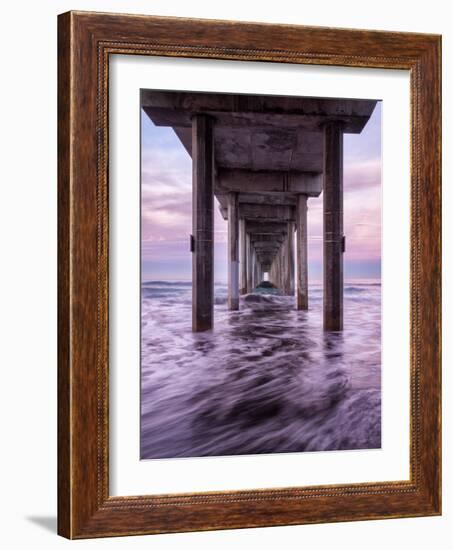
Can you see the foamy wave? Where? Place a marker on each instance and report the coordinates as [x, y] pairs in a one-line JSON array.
[[267, 379]]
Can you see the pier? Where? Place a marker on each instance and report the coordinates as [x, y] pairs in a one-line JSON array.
[[263, 158]]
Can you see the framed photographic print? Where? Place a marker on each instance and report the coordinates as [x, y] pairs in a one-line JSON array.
[[249, 275]]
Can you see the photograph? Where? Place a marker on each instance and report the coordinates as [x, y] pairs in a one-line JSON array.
[[249, 283], [260, 274]]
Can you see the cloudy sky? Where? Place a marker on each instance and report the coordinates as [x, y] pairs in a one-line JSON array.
[[167, 208]]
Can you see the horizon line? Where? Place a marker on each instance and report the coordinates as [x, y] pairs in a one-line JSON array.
[[224, 282]]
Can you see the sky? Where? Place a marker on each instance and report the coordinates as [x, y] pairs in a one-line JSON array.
[[167, 208]]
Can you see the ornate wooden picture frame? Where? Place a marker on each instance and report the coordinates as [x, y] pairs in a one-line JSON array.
[[85, 507]]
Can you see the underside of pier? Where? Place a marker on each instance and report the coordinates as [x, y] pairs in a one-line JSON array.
[[263, 158]]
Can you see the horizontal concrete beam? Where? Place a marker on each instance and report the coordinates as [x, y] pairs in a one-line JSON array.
[[266, 260], [253, 212], [280, 199], [268, 253], [267, 244], [260, 149], [175, 109], [269, 250], [262, 227], [250, 182], [259, 121], [267, 239], [267, 213]]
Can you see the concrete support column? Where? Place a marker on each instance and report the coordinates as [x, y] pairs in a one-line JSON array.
[[333, 226], [302, 253], [272, 277], [256, 270], [286, 262], [274, 271], [278, 271], [242, 258], [289, 261], [203, 223], [253, 267], [258, 274], [249, 264], [233, 252]]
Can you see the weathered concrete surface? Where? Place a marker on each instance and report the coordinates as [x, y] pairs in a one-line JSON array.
[[203, 223], [243, 257], [272, 182], [249, 264], [268, 212], [266, 228], [233, 252], [242, 111], [302, 253], [286, 267], [275, 271], [333, 227]]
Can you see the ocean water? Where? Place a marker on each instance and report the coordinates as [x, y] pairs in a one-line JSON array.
[[267, 379]]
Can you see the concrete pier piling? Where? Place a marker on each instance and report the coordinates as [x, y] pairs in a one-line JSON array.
[[249, 265], [302, 252], [233, 252], [263, 158], [203, 223], [243, 258], [333, 227], [288, 264]]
